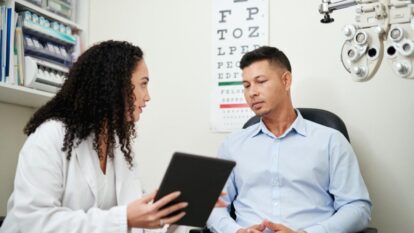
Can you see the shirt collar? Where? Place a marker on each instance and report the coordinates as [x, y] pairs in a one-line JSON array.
[[298, 126]]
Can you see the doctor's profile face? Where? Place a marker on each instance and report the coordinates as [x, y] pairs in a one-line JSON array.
[[266, 86], [139, 81]]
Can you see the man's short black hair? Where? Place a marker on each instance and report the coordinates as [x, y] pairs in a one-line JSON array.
[[268, 53]]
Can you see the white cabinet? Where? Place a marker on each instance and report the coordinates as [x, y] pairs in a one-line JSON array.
[[12, 93], [18, 103]]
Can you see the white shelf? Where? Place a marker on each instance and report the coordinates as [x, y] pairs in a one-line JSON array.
[[22, 4], [23, 96]]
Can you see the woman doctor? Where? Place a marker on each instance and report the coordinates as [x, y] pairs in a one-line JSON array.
[[76, 171]]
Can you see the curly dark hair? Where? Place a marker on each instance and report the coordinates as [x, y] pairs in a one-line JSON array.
[[97, 98]]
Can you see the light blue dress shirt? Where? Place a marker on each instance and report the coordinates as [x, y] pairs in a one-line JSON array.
[[307, 179]]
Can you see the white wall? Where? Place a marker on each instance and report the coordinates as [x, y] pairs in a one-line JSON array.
[[175, 35], [177, 48], [12, 121]]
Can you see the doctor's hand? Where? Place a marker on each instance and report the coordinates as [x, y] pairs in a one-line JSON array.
[[253, 229], [141, 213], [279, 228]]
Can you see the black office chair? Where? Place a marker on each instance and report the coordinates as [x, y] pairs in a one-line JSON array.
[[319, 116]]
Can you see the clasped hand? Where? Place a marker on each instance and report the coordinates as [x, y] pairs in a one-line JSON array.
[[279, 228]]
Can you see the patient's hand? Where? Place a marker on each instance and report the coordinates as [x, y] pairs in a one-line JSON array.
[[220, 203], [253, 229], [279, 228]]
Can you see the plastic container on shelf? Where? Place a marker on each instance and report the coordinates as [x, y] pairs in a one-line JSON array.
[[42, 27], [63, 8]]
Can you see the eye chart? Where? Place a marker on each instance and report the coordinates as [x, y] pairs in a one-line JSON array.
[[239, 26]]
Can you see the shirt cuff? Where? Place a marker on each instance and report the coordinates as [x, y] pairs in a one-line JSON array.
[[158, 230], [316, 229], [120, 217]]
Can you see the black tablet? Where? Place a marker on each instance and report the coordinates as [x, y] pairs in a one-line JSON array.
[[200, 180]]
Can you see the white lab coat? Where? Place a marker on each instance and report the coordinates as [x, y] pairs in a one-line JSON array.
[[53, 194]]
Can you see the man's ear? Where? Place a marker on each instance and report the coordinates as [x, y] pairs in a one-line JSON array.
[[287, 80]]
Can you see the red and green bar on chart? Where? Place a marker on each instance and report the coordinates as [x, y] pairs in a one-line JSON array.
[[233, 105]]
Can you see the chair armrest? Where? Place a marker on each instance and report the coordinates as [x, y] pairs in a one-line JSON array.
[[204, 230], [1, 220]]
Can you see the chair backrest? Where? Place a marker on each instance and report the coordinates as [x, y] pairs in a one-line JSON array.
[[319, 116]]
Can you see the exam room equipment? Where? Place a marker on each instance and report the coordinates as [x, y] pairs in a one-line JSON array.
[[383, 30]]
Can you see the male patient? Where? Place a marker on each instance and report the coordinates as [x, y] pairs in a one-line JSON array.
[[292, 175]]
